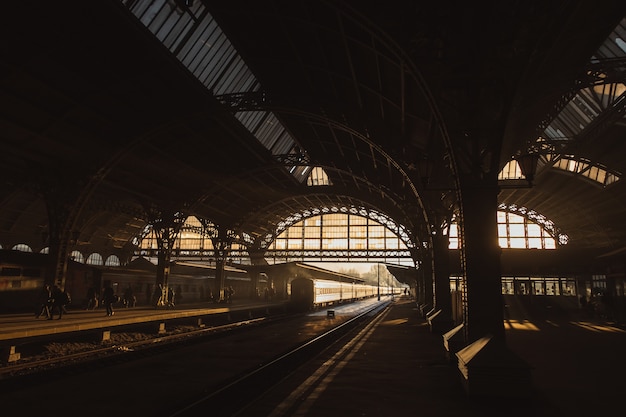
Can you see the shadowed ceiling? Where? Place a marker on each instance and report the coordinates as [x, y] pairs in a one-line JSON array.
[[100, 119]]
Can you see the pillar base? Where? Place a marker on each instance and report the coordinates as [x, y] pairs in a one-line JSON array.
[[490, 370], [453, 341], [424, 309], [438, 322]]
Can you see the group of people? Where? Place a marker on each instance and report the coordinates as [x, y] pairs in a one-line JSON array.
[[108, 299], [52, 299]]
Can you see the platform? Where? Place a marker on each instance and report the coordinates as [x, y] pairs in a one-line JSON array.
[[402, 370], [20, 326]]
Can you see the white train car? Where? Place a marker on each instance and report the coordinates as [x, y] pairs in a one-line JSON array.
[[310, 293]]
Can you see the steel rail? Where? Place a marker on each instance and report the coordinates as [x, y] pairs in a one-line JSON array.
[[234, 396]]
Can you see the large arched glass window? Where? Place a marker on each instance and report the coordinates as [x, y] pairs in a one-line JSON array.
[[515, 232], [337, 231]]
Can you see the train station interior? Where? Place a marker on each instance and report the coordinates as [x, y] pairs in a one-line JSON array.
[[475, 149]]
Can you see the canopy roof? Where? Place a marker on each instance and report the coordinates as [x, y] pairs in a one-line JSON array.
[[122, 113]]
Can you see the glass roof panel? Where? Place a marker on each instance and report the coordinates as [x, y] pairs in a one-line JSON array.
[[194, 37], [590, 102]]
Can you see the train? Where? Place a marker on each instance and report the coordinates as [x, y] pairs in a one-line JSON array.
[[191, 282], [311, 293], [22, 275]]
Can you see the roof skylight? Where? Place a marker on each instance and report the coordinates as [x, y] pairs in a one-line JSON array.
[[195, 38]]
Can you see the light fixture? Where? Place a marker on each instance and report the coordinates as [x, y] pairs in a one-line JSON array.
[[528, 165]]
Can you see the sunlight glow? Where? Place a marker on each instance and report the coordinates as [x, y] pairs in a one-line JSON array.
[[520, 325], [597, 327]]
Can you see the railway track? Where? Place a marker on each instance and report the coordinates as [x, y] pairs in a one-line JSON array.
[[239, 364], [229, 399], [55, 355]]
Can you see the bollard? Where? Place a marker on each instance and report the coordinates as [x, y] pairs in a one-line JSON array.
[[106, 336], [200, 324], [13, 355], [161, 328]]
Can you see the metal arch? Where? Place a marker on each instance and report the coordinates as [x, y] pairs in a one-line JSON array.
[[603, 71], [109, 165], [323, 121], [537, 218], [402, 232], [410, 241], [406, 64], [590, 77]]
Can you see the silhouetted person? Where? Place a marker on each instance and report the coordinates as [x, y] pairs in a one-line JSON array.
[[129, 297], [171, 294], [92, 299], [43, 302], [57, 302], [108, 296], [66, 300], [228, 294], [160, 296]]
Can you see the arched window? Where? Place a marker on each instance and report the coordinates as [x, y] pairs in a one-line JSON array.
[[337, 231], [22, 247], [317, 177], [112, 261], [190, 241], [77, 256], [516, 231], [94, 259]]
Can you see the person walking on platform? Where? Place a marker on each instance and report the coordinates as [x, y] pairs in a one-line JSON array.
[[58, 299], [228, 294], [43, 301], [92, 299], [66, 300], [171, 294], [129, 297], [109, 298]]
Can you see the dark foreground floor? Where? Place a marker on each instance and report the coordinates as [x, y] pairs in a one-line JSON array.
[[401, 369], [577, 370]]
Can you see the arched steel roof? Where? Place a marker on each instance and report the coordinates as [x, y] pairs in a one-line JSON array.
[[100, 119]]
